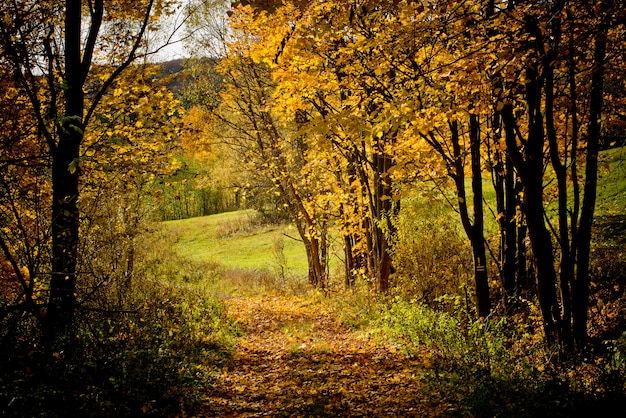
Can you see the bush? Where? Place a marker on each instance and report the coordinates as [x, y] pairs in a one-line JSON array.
[[151, 360], [124, 364], [500, 367], [152, 352], [432, 258]]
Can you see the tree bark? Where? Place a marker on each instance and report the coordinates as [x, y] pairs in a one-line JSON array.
[[509, 249], [560, 172], [580, 296], [530, 168], [474, 231], [478, 237], [383, 206], [65, 173]]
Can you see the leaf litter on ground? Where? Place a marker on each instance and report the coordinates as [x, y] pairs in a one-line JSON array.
[[295, 358]]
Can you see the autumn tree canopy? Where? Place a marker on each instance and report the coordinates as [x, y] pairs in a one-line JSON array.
[[367, 97], [60, 61]]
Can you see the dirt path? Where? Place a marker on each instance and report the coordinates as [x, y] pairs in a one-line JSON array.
[[295, 359]]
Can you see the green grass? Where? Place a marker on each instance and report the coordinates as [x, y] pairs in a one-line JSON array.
[[611, 191], [612, 182], [232, 240]]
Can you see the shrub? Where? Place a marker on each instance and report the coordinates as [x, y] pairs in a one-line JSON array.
[[145, 361], [150, 350], [152, 359], [431, 256], [500, 367]]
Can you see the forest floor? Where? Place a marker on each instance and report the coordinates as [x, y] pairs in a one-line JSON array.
[[295, 358]]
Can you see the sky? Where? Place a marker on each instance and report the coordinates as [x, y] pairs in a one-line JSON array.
[[176, 47]]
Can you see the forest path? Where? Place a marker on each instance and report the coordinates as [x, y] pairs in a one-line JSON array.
[[296, 359]]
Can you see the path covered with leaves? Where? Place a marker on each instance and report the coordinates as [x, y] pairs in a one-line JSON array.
[[295, 358]]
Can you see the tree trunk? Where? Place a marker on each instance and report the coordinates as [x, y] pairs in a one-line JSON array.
[[474, 233], [510, 249], [523, 281], [383, 207], [316, 263], [65, 172], [347, 212], [544, 259], [530, 168], [560, 172], [349, 265], [540, 238], [580, 297], [478, 238], [305, 224]]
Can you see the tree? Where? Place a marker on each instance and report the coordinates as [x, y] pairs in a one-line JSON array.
[[538, 81], [561, 92], [322, 65], [23, 191], [454, 119], [265, 142], [56, 52], [130, 147]]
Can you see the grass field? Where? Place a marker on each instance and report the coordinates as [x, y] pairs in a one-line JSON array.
[[612, 183], [233, 240]]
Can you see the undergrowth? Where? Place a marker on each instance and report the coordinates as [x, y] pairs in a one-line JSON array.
[[153, 356], [158, 355], [498, 367]]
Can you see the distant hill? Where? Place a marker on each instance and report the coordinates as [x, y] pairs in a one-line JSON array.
[[177, 69], [172, 67], [180, 75]]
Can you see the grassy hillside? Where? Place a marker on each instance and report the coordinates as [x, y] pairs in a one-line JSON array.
[[240, 240], [612, 183]]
